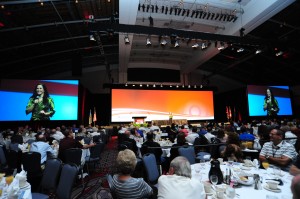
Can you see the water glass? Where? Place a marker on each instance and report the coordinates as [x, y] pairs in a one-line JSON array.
[[214, 179]]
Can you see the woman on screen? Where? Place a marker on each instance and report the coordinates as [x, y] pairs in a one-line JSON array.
[[40, 104], [270, 104]]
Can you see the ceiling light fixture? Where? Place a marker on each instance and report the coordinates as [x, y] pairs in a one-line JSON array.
[[126, 39], [240, 50], [258, 51], [148, 43], [279, 53], [196, 45]]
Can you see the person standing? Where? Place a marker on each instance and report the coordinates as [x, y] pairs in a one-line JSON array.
[[270, 104], [40, 104]]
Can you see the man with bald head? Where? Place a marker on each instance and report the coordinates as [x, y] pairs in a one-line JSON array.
[[42, 147]]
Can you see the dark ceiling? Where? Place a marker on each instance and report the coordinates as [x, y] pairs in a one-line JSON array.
[[37, 41]]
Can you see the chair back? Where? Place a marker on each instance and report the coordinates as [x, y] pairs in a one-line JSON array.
[[109, 179], [96, 150], [188, 152], [51, 174], [73, 155], [14, 159], [150, 165], [87, 140], [2, 157], [32, 163], [66, 181]]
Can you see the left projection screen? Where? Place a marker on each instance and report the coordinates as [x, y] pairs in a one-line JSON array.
[[159, 104], [15, 95]]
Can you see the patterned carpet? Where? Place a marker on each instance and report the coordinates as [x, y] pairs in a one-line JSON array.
[[96, 186]]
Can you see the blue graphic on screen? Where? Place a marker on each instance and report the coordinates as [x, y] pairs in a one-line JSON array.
[[14, 105], [256, 105]]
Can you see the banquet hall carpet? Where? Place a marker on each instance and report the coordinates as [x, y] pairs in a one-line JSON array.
[[96, 185]]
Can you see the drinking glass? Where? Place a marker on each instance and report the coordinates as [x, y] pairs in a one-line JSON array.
[[214, 179], [257, 165], [202, 163], [230, 161], [265, 164]]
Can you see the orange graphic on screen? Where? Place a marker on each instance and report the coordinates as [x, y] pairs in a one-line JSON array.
[[158, 104]]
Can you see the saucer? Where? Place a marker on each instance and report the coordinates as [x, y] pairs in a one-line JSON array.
[[25, 186], [246, 168], [209, 194], [266, 186]]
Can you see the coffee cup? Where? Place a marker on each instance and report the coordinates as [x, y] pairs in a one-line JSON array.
[[220, 194], [272, 184], [207, 187], [22, 180]]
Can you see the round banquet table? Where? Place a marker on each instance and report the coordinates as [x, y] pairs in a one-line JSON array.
[[248, 191]]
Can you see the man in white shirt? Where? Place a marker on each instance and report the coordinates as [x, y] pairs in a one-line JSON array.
[[179, 184], [57, 134], [191, 137], [42, 147]]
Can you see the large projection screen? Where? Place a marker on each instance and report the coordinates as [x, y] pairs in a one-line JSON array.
[[160, 104]]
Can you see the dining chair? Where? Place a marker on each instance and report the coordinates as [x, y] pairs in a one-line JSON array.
[[3, 161], [32, 164], [109, 179], [65, 184], [49, 179], [94, 157], [188, 152], [73, 155], [151, 168], [14, 159]]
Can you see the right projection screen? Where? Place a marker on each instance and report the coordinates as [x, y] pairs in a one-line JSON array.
[[257, 96]]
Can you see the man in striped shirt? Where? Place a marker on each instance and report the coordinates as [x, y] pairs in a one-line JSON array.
[[278, 151]]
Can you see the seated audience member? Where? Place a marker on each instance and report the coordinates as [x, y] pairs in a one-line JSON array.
[[132, 142], [263, 134], [295, 187], [179, 184], [171, 133], [180, 142], [125, 186], [295, 168], [245, 135], [191, 137], [278, 151], [233, 152], [69, 142], [146, 148], [184, 130], [288, 135], [222, 136], [42, 147]]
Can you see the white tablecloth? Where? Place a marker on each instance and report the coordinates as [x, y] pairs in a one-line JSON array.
[[248, 192], [24, 192]]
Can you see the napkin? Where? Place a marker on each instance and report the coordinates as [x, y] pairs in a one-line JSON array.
[[248, 163], [22, 178], [13, 190]]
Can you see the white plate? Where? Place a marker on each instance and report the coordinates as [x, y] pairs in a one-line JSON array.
[[246, 168], [25, 186], [250, 181], [209, 194], [247, 165], [266, 186]]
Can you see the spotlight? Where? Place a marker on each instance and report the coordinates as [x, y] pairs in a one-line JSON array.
[[212, 16], [163, 42], [126, 85], [154, 85], [177, 86], [203, 46], [170, 86], [234, 19], [148, 42], [196, 45], [183, 12], [126, 39], [161, 85], [92, 38], [189, 86], [133, 85], [240, 50], [201, 86], [176, 45], [147, 85], [222, 46], [183, 86], [279, 53], [257, 51], [141, 85], [195, 86]]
